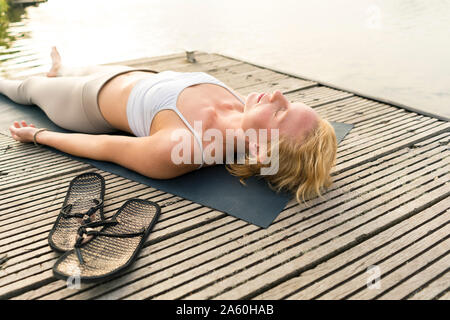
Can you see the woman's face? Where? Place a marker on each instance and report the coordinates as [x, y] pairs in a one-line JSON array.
[[274, 111]]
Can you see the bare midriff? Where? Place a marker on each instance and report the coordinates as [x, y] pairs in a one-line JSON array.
[[192, 102], [113, 97]]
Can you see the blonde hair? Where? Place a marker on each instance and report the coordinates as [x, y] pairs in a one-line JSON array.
[[304, 166]]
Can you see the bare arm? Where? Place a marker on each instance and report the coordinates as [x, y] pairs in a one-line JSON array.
[[77, 144], [149, 156]]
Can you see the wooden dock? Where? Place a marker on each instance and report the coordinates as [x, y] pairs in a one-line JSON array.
[[26, 2], [387, 213]]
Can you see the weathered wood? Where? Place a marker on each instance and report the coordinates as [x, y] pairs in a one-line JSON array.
[[407, 139], [193, 263], [430, 254], [357, 287], [445, 295], [433, 289], [27, 1], [189, 241], [386, 207], [342, 270]]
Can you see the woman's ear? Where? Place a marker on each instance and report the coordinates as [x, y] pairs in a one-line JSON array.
[[253, 149], [257, 152]]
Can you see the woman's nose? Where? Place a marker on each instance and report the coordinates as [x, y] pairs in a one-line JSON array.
[[276, 95]]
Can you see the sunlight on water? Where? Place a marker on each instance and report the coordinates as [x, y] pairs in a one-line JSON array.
[[398, 50]]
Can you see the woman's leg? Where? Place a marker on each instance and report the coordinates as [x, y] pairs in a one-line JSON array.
[[67, 100], [59, 97]]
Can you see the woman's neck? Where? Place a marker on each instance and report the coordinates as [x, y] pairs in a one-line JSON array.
[[227, 119]]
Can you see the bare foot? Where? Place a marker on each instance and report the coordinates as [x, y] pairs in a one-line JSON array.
[[56, 63]]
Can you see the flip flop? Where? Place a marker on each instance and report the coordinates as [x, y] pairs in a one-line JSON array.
[[83, 204], [100, 254]]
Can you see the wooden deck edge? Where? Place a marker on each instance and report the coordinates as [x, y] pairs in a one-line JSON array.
[[331, 85]]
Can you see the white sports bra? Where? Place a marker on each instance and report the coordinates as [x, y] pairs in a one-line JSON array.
[[160, 92]]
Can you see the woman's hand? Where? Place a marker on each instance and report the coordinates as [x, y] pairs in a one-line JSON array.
[[22, 131]]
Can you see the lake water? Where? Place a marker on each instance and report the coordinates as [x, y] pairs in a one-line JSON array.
[[393, 49]]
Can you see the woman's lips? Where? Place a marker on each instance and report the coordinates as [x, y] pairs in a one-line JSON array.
[[260, 96]]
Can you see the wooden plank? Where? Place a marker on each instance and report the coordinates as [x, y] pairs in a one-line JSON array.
[[252, 78], [15, 277], [374, 129], [342, 271], [38, 252], [406, 272], [11, 151], [178, 56], [16, 2], [409, 138], [32, 244], [123, 293], [362, 120], [22, 66], [27, 215], [18, 199], [348, 107], [446, 295], [295, 261], [203, 64], [283, 84], [35, 236], [411, 127], [19, 61], [26, 164], [433, 289], [19, 209], [318, 96], [44, 173], [351, 176], [165, 270], [360, 113], [136, 262], [357, 285], [21, 235], [10, 56], [384, 137], [165, 248], [230, 72], [380, 182]]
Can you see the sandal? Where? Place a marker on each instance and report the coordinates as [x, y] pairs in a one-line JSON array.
[[101, 254], [83, 199]]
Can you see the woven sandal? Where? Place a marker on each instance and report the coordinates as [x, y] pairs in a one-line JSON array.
[[101, 254], [83, 204]]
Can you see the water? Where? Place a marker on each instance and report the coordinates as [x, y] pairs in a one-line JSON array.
[[397, 50]]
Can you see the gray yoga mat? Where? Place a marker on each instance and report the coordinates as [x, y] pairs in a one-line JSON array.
[[213, 186]]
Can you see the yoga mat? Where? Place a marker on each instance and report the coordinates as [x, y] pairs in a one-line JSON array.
[[213, 186]]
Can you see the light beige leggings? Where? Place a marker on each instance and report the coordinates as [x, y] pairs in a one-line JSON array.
[[69, 100]]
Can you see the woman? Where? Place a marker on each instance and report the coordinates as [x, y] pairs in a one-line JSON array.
[[152, 106]]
